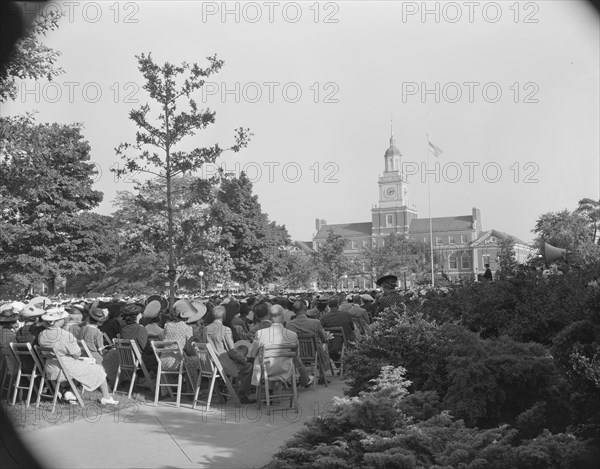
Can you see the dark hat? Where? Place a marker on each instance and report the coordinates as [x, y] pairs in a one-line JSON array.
[[131, 309], [232, 308], [164, 304], [387, 278]]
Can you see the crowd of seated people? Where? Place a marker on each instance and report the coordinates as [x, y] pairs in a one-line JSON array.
[[222, 320]]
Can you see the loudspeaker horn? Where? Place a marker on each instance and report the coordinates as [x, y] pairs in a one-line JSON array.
[[552, 253]]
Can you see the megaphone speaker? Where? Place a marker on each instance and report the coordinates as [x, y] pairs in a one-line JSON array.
[[552, 254]]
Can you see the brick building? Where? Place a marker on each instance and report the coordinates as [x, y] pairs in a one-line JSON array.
[[461, 244]]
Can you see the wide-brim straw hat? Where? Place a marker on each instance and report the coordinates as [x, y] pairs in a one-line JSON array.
[[98, 314], [55, 314], [164, 303], [152, 309], [32, 311], [184, 308], [40, 301], [201, 312], [245, 343]]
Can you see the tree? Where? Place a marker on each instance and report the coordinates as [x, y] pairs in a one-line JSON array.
[[330, 260], [396, 254], [567, 230], [167, 85], [46, 192], [250, 238], [590, 209], [507, 264], [30, 58]]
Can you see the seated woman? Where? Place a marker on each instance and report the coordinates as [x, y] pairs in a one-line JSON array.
[[90, 333], [90, 375], [179, 329], [133, 330]]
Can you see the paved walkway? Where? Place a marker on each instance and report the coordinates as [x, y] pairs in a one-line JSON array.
[[167, 437]]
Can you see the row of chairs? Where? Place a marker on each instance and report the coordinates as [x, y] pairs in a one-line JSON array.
[[31, 362]]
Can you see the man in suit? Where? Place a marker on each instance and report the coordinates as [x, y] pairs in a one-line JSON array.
[[221, 338], [336, 318], [277, 334], [302, 324]]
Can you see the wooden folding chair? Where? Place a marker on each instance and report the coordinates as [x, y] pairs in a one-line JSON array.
[[338, 334], [85, 350], [309, 355], [107, 339], [28, 366], [8, 373], [164, 349], [45, 354], [211, 368], [130, 361], [277, 351]]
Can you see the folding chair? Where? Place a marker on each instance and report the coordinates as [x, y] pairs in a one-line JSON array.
[[285, 351], [309, 355], [130, 361], [85, 350], [45, 354], [337, 336], [107, 339], [164, 349], [7, 374], [211, 368], [28, 366]]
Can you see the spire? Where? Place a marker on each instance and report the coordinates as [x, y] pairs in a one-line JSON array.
[[392, 139]]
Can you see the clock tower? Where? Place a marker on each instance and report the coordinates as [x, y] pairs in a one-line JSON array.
[[393, 214]]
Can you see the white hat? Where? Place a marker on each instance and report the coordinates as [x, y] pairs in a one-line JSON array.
[[55, 314]]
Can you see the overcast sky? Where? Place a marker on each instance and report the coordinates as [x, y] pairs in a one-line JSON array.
[[509, 91]]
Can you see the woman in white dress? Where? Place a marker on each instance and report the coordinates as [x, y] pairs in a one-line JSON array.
[[90, 375]]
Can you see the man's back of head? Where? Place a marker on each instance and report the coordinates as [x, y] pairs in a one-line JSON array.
[[219, 312], [357, 300], [333, 302], [276, 313], [299, 307]]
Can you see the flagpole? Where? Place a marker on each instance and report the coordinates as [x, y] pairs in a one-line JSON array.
[[430, 223]]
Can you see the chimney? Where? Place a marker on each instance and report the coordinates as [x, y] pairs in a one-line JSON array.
[[319, 223], [477, 220]]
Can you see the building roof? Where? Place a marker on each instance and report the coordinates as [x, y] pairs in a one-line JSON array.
[[347, 230], [392, 151], [441, 224], [497, 234], [305, 246]]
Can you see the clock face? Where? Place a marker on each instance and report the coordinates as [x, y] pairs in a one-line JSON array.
[[389, 192]]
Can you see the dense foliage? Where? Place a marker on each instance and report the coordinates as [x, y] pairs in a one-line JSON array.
[[385, 426], [502, 374], [46, 227]]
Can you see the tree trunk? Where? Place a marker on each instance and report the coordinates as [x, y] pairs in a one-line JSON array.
[[171, 271]]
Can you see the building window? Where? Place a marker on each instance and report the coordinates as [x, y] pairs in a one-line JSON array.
[[465, 261], [354, 245], [389, 220], [438, 240], [451, 240], [463, 238], [452, 262], [365, 243], [485, 259]]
